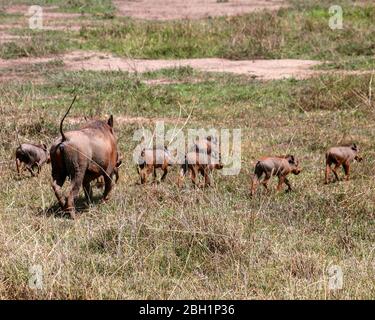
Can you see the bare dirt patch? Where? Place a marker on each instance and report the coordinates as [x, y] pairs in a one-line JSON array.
[[192, 9], [263, 69], [260, 69]]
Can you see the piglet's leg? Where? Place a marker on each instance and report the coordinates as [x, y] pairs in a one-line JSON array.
[[165, 172], [181, 178], [253, 184], [266, 181], [346, 166], [288, 184], [154, 174], [142, 174], [39, 164], [281, 181], [207, 180], [327, 173], [193, 175], [18, 164], [29, 168], [334, 170], [37, 169]]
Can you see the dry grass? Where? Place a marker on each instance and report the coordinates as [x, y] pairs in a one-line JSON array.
[[158, 241], [161, 242]]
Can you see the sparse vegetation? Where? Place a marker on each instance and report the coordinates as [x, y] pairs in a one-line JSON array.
[[301, 33], [159, 241]]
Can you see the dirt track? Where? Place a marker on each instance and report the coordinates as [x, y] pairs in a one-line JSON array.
[[164, 10], [263, 69], [191, 9], [260, 69]]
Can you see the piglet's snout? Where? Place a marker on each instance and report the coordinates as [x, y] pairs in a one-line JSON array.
[[297, 170]]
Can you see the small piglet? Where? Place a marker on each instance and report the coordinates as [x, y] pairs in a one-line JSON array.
[[31, 155]]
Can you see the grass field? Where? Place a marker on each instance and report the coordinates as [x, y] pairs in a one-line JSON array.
[[158, 241]]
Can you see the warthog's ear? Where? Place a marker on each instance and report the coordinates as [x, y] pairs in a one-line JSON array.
[[44, 146], [354, 147], [110, 121]]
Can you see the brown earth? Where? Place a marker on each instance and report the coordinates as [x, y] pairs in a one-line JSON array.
[[163, 10], [260, 69], [191, 9], [263, 69]]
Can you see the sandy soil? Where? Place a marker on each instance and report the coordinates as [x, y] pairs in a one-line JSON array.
[[161, 9], [191, 9], [260, 69], [263, 69]]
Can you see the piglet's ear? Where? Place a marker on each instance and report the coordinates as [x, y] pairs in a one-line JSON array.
[[110, 121], [354, 147], [291, 159], [44, 146]]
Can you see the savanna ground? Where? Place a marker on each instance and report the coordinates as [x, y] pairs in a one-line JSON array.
[[158, 241]]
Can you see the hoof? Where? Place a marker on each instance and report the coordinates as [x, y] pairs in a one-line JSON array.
[[105, 200], [71, 211]]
